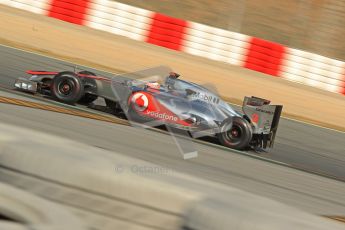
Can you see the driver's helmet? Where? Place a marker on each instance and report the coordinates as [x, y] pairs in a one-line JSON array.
[[153, 85]]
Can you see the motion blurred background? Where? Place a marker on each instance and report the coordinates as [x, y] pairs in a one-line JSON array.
[[316, 26]]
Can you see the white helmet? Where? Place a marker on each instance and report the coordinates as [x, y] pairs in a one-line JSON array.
[[153, 85]]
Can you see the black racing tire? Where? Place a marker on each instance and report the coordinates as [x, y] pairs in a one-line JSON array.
[[67, 87], [235, 133]]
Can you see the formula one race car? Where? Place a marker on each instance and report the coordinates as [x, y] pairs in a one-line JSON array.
[[173, 102]]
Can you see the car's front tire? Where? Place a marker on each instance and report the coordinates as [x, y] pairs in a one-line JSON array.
[[235, 133], [67, 87]]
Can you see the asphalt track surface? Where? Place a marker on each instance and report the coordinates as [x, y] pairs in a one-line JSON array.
[[300, 145]]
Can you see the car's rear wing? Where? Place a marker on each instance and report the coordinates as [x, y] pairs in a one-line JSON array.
[[265, 119]]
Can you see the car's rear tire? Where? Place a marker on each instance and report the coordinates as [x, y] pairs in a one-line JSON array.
[[67, 87], [235, 133]]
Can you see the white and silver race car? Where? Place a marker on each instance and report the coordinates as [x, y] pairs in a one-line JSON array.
[[174, 102]]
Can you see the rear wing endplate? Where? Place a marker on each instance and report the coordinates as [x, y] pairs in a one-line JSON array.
[[264, 117]]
